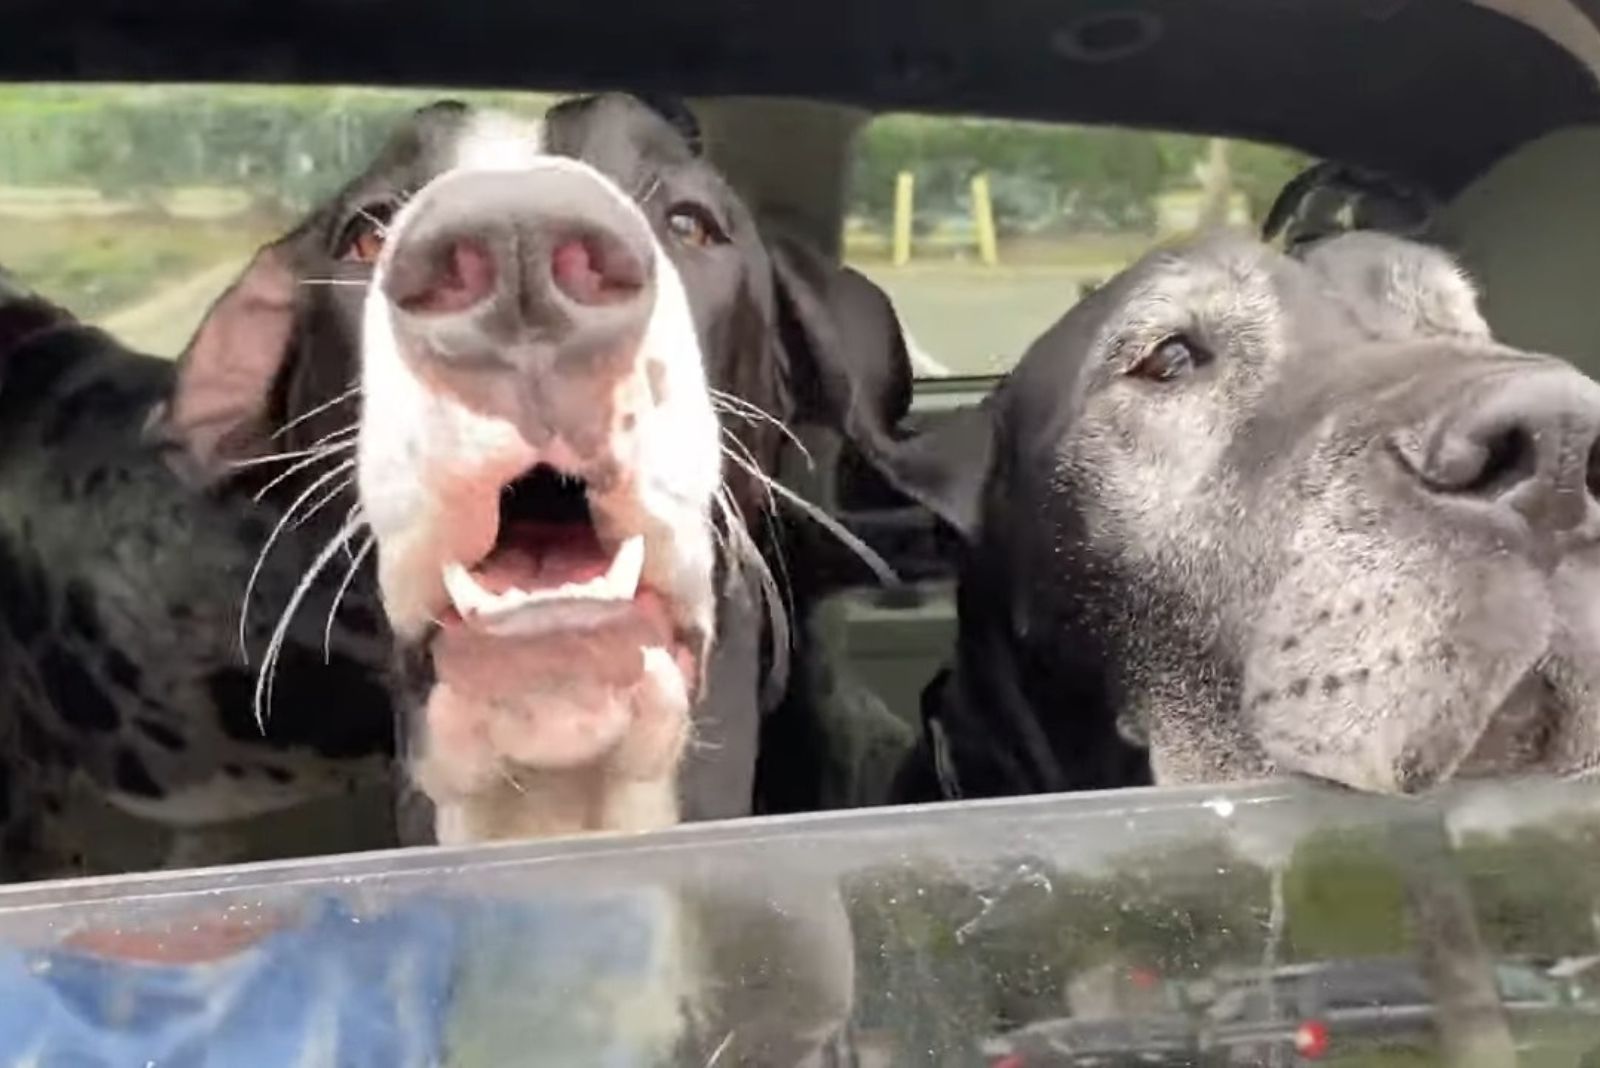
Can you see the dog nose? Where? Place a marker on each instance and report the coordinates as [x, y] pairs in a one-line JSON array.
[[1529, 443], [548, 256]]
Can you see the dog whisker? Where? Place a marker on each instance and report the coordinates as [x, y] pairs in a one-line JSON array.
[[266, 548], [746, 461], [745, 554], [722, 1047], [878, 565], [753, 413], [356, 559], [323, 502], [650, 190], [770, 513], [353, 282], [280, 632], [353, 391], [317, 448], [785, 583], [322, 451], [381, 226]]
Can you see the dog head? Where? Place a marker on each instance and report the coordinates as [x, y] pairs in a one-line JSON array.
[[1300, 515], [564, 355]]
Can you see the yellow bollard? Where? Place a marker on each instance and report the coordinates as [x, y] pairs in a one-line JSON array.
[[903, 188], [983, 219]]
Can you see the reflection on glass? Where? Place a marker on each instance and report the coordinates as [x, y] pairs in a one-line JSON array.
[[1262, 925]]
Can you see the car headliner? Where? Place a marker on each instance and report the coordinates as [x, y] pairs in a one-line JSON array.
[[1436, 89]]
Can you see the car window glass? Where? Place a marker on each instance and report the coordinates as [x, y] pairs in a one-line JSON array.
[[1068, 207], [135, 205]]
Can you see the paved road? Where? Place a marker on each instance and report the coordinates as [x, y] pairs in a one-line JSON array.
[[976, 320]]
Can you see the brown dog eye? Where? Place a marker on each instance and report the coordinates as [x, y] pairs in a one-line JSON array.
[[693, 224], [363, 237], [1173, 358]]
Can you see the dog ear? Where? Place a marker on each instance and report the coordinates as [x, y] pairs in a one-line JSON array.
[[220, 409], [850, 369], [679, 116], [1398, 289], [23, 315]]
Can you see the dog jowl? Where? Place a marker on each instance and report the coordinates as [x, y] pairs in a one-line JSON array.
[[577, 355], [1302, 515]]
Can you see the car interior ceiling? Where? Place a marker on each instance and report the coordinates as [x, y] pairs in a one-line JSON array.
[[1278, 72]]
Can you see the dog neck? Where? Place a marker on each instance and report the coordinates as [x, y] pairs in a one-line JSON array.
[[1059, 726], [555, 804]]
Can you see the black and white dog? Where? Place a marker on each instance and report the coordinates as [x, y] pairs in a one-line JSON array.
[[536, 371], [1241, 514]]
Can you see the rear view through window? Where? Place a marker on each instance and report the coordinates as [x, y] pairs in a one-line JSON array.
[[985, 231]]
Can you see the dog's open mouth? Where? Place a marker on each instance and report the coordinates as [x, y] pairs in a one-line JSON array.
[[550, 568]]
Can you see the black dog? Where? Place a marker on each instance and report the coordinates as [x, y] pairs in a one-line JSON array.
[[121, 675], [1253, 514]]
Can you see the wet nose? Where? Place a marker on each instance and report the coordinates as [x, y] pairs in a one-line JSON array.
[[1529, 443], [490, 260]]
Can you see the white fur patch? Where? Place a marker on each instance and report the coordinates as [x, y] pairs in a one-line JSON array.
[[430, 472]]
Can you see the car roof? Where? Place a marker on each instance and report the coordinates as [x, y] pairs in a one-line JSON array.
[[1395, 84]]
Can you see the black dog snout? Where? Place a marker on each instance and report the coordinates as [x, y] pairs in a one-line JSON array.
[[1530, 443], [549, 257]]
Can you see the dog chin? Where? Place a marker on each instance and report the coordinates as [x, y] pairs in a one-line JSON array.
[[563, 731], [1519, 722]]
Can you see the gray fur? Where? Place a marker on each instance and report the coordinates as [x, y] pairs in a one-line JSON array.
[[1285, 561]]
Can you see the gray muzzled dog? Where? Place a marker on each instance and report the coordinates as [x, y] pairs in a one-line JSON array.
[[1266, 515]]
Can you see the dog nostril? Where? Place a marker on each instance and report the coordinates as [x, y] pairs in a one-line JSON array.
[[458, 275], [1592, 474], [596, 271]]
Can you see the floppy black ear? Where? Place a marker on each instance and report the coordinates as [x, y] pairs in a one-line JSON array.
[[679, 116], [850, 369], [220, 409]]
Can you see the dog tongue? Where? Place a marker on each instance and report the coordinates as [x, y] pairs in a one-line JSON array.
[[535, 557], [539, 580]]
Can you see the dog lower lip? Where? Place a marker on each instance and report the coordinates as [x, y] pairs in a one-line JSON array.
[[528, 588]]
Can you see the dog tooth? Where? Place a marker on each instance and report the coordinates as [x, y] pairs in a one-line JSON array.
[[464, 590], [627, 568]]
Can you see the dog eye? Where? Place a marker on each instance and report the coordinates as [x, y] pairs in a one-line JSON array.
[[1173, 358], [363, 236], [693, 224]]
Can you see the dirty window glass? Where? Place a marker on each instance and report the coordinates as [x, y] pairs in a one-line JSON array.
[[1274, 924], [135, 205], [1067, 208]]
